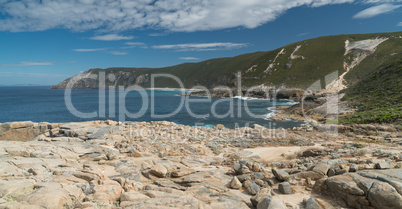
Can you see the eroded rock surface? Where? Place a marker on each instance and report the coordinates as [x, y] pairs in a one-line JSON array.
[[107, 164]]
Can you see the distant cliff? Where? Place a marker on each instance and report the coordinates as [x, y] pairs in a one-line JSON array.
[[297, 65]]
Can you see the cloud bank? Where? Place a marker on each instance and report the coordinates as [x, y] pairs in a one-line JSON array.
[[89, 50], [118, 53], [376, 10], [202, 46], [111, 37], [169, 15], [188, 58]]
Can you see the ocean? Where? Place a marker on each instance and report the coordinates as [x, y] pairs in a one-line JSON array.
[[42, 104]]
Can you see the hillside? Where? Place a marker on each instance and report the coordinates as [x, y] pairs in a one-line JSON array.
[[297, 65], [377, 96]]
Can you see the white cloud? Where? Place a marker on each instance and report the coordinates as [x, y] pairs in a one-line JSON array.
[[302, 34], [158, 34], [376, 10], [126, 15], [28, 64], [189, 58], [381, 1], [400, 24], [89, 50], [202, 46], [111, 37], [118, 53], [134, 45]]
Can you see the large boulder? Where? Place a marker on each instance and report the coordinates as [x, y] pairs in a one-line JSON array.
[[21, 131], [323, 167], [48, 197], [383, 195], [365, 189]]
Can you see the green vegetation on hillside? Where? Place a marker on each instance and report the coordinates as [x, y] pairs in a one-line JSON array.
[[378, 96], [386, 52], [314, 60]]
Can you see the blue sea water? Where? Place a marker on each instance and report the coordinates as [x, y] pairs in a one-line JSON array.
[[42, 104]]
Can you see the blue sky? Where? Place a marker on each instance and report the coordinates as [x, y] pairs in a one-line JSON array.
[[45, 42]]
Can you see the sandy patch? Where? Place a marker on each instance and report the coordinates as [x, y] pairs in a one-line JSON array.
[[271, 153]]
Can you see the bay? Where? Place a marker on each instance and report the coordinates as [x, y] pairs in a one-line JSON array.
[[42, 104]]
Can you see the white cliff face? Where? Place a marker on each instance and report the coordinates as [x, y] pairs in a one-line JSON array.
[[252, 69], [294, 56], [369, 45], [272, 65], [360, 50]]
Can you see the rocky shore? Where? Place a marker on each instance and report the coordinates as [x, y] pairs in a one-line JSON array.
[[260, 92], [107, 164]]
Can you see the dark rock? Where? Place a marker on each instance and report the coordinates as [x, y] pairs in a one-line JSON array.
[[353, 168], [341, 171], [313, 152], [258, 175], [280, 174], [294, 94], [285, 188], [253, 188], [236, 167], [331, 172], [244, 177], [312, 204], [271, 203], [270, 182]]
